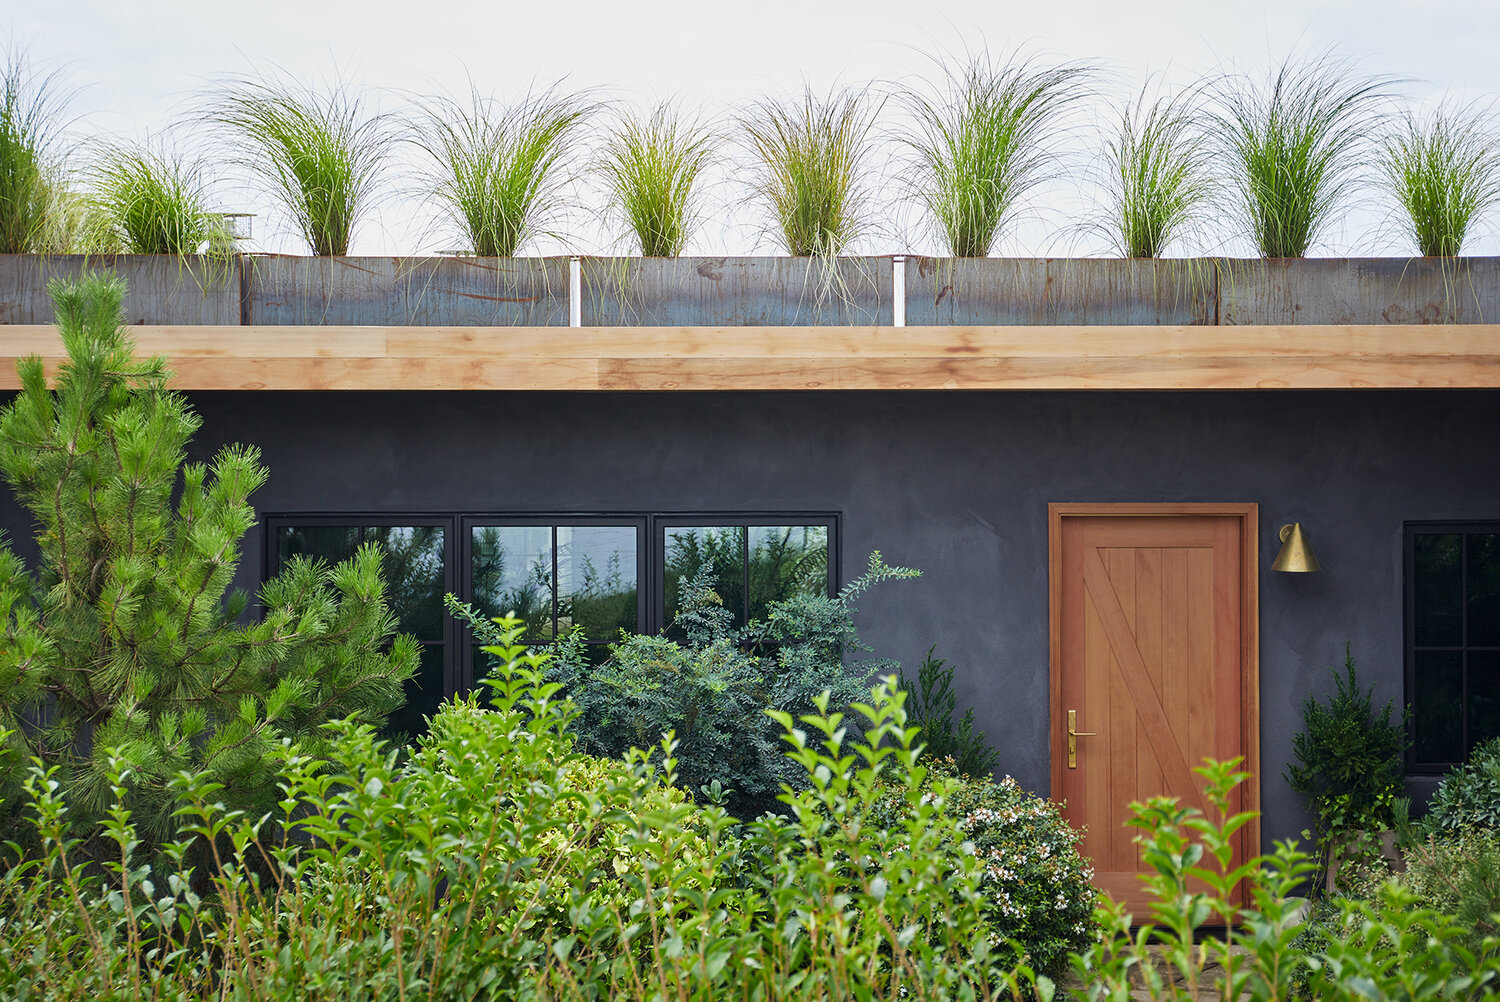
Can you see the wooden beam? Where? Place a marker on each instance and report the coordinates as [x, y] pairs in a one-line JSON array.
[[799, 358]]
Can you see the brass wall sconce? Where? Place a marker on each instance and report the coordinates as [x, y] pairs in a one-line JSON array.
[[1295, 556]]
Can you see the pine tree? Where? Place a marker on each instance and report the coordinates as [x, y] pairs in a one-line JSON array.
[[126, 637]]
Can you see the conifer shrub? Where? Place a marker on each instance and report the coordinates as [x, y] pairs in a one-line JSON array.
[[932, 705], [125, 639]]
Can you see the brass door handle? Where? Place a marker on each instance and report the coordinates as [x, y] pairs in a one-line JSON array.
[[1073, 735]]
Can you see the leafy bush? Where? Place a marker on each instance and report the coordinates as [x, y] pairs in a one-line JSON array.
[[1388, 948], [1038, 903], [123, 638], [499, 863], [1470, 794], [713, 689], [1349, 760], [931, 705]]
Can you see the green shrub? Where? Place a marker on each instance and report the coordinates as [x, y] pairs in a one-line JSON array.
[[31, 107], [1038, 903], [1388, 948], [1348, 760], [1444, 173], [1457, 872], [713, 689], [157, 202], [1469, 796], [651, 167], [500, 863], [125, 636], [932, 703]]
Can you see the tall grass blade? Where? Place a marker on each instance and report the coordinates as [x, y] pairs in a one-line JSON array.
[[75, 223], [1292, 149], [1156, 175], [650, 166], [31, 106], [320, 154], [503, 172], [809, 168], [1444, 171], [985, 142], [157, 202]]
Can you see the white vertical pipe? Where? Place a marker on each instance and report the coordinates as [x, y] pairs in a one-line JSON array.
[[898, 290], [575, 292]]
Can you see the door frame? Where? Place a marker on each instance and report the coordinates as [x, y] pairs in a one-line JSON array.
[[1249, 515]]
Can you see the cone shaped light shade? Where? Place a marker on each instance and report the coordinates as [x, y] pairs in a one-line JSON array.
[[1295, 555]]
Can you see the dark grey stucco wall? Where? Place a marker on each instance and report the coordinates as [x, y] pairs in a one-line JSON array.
[[954, 483]]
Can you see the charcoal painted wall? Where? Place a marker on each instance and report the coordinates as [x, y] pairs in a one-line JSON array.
[[954, 483]]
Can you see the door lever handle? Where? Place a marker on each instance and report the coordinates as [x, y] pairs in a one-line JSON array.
[[1073, 735]]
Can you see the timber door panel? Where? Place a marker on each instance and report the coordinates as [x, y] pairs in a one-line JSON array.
[[1153, 647]]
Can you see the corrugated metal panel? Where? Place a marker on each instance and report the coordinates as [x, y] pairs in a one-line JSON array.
[[1049, 291], [160, 289], [416, 292], [736, 292], [1360, 291]]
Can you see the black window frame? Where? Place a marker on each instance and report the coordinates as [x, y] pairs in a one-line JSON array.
[[699, 520], [469, 522], [459, 670], [1463, 529]]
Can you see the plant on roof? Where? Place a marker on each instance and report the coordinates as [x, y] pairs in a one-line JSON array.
[[985, 142], [320, 154], [76, 223], [650, 167], [1292, 148], [124, 636], [31, 106], [1444, 172], [1155, 174], [809, 168], [156, 201], [502, 172]]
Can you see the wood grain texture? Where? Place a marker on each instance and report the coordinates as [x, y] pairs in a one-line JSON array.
[[812, 358], [1153, 628]]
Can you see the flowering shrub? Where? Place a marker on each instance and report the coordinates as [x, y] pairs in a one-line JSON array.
[[1036, 898]]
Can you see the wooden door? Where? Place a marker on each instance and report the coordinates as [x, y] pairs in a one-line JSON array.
[[1153, 620]]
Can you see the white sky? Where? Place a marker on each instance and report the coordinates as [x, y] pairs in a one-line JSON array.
[[139, 66]]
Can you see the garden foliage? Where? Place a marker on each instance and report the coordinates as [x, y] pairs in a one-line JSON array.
[[1469, 796], [1037, 901], [502, 863], [712, 690], [125, 642], [1348, 758], [932, 703]]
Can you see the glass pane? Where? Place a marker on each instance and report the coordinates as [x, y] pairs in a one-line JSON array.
[[721, 550], [414, 579], [330, 542], [1439, 590], [1484, 696], [513, 573], [1438, 705], [596, 586], [424, 692], [1483, 589], [786, 560]]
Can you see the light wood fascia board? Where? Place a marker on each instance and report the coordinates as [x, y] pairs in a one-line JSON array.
[[791, 358]]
